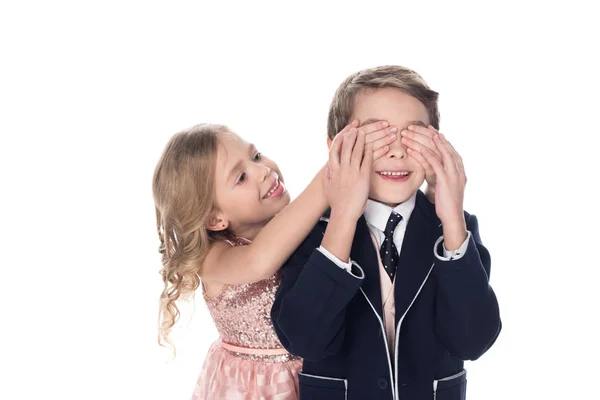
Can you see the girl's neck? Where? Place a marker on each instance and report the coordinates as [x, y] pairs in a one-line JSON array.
[[249, 232]]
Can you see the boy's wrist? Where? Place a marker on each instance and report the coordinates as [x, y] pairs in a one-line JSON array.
[[455, 219], [455, 234]]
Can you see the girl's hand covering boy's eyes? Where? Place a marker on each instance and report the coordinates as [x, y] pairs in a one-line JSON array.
[[380, 135], [349, 170]]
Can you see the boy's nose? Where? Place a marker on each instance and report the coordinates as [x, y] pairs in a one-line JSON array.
[[397, 150]]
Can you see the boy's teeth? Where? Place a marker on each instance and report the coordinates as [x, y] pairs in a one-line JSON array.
[[272, 190], [388, 173]]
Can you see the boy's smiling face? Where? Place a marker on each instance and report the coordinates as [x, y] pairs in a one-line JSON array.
[[396, 176]]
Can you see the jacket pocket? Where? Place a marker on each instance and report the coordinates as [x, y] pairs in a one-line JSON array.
[[316, 387], [452, 387]]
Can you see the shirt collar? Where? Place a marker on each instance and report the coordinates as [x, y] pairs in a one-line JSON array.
[[377, 214]]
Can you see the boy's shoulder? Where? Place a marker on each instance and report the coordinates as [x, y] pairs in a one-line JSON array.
[[427, 209], [311, 242]]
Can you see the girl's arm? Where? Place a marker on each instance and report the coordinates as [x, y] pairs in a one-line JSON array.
[[276, 242], [273, 245]]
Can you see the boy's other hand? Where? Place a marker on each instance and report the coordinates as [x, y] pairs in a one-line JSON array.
[[450, 189], [417, 138]]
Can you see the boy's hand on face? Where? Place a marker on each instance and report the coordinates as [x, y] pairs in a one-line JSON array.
[[349, 171], [417, 138], [450, 189]]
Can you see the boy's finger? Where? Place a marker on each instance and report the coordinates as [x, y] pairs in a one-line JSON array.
[[347, 146], [421, 160], [413, 144], [425, 140], [438, 168], [433, 128], [449, 162], [422, 130], [457, 158], [359, 148]]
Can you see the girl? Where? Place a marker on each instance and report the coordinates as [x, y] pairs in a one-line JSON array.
[[223, 222]]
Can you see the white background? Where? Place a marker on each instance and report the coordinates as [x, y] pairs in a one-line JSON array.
[[90, 92]]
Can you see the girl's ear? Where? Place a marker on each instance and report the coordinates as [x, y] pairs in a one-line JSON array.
[[217, 223], [328, 143]]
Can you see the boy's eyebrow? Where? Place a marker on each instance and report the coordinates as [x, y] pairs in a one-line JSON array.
[[371, 120], [420, 123]]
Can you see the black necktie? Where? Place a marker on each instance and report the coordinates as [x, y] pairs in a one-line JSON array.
[[388, 251]]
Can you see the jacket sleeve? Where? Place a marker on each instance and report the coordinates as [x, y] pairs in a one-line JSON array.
[[310, 306], [467, 313]]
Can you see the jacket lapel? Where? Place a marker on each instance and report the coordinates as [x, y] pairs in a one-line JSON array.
[[416, 256], [363, 253]]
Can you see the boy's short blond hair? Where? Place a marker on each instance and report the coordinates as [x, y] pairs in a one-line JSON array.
[[405, 79]]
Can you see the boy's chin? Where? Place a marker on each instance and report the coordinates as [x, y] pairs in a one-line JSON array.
[[392, 199], [391, 193]]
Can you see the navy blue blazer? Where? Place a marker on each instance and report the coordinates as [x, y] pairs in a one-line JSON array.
[[446, 312]]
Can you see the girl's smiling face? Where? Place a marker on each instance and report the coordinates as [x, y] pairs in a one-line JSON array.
[[249, 187]]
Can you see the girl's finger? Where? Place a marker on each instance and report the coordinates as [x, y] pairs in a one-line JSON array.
[[334, 152], [359, 149], [367, 161], [347, 146]]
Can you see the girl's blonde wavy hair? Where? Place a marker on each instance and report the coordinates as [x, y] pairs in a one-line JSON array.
[[183, 189]]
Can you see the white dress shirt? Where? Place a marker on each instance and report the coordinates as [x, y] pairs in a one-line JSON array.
[[377, 215]]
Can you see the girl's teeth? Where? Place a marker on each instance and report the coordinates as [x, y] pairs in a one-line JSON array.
[[272, 190]]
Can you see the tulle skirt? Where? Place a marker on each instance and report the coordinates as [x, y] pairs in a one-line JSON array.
[[228, 376]]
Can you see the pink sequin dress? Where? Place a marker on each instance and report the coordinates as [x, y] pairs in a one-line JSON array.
[[247, 362]]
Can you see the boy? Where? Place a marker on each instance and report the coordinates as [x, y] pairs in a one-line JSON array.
[[387, 304]]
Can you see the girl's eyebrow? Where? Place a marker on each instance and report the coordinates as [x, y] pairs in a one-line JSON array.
[[238, 165]]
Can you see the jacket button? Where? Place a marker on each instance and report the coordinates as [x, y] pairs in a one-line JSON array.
[[383, 383]]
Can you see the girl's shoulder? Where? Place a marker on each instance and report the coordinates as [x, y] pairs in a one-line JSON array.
[[213, 290]]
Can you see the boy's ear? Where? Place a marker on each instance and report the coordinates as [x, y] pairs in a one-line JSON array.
[[217, 223], [329, 143]]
